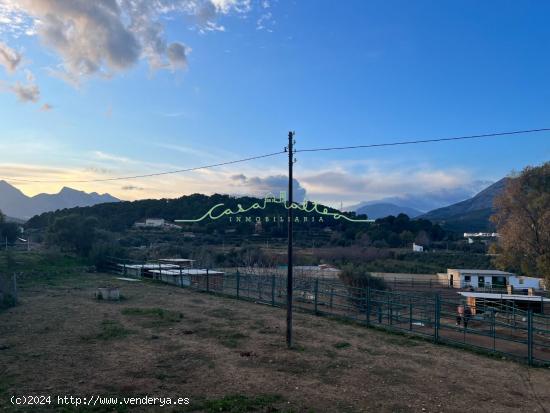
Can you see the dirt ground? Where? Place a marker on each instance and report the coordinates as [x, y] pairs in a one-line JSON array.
[[229, 355]]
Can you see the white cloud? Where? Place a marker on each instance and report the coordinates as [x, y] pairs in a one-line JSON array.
[[103, 156], [101, 38], [226, 6], [177, 55], [28, 92], [262, 186], [437, 186], [9, 58]]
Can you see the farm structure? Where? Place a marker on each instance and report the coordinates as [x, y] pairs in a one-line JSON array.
[[176, 271], [481, 302], [520, 333]]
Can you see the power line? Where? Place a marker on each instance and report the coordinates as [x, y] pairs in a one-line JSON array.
[[121, 178], [413, 142], [375, 145]]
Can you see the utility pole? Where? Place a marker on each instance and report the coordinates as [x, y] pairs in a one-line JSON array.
[[289, 280]]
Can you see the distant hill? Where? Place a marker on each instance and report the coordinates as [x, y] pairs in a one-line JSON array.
[[14, 220], [16, 204], [121, 216], [377, 210], [470, 215]]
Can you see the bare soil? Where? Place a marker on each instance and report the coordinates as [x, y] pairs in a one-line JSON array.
[[230, 355]]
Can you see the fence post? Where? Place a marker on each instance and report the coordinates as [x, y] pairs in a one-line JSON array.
[[530, 337], [207, 281], [494, 330], [273, 290], [410, 314], [316, 290], [368, 304], [238, 283], [389, 311], [15, 287], [437, 317]]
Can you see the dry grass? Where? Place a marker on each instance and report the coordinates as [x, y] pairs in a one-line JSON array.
[[228, 355]]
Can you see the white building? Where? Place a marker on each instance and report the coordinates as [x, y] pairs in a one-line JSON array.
[[519, 282], [462, 278], [417, 248], [154, 222]]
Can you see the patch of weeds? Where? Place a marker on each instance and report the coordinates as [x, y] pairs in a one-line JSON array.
[[402, 341], [297, 366], [342, 344], [370, 351], [225, 313], [5, 383], [331, 354], [229, 338], [155, 317], [238, 404], [297, 347], [7, 301], [267, 331], [110, 330], [232, 339], [113, 408]]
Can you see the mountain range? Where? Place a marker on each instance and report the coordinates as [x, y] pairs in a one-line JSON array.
[[468, 215], [376, 209], [17, 205], [471, 215]]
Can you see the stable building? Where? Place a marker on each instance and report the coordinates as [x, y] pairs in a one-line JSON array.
[[463, 278], [482, 302]]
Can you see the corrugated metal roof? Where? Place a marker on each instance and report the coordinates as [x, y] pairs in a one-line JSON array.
[[190, 271], [481, 272], [510, 297]]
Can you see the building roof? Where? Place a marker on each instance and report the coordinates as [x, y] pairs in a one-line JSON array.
[[176, 260], [480, 272], [508, 297], [190, 271], [147, 266]]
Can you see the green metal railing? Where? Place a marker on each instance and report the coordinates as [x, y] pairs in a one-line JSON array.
[[503, 330]]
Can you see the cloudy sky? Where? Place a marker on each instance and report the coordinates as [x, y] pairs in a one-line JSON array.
[[93, 90]]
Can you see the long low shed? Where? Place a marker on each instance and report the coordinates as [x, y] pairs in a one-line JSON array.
[[141, 270], [190, 276], [525, 302]]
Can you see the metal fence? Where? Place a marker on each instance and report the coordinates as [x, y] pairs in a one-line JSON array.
[[499, 329]]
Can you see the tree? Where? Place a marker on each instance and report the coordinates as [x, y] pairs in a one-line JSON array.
[[522, 219], [74, 233]]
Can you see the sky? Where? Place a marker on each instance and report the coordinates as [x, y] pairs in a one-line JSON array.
[[94, 90]]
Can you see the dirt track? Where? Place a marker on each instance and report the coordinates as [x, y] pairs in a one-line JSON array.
[[165, 341]]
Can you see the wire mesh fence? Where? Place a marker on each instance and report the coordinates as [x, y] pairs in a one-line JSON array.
[[521, 334]]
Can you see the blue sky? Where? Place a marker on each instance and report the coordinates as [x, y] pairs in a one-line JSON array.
[[243, 73]]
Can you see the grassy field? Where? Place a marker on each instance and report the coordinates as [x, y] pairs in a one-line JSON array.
[[230, 356]]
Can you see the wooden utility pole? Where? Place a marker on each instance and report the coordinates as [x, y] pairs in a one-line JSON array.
[[289, 280]]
